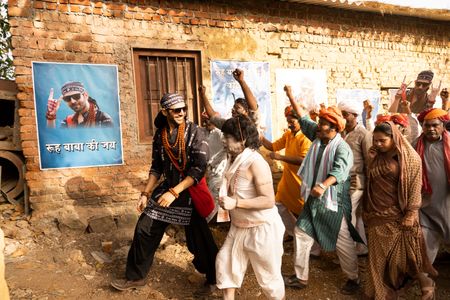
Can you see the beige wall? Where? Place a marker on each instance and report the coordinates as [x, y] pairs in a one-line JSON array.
[[358, 50]]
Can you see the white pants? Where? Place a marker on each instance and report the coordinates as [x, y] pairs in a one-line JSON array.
[[290, 222], [345, 250], [357, 222], [261, 245], [287, 217], [432, 241]]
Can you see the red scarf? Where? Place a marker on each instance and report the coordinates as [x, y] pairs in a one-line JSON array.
[[420, 148]]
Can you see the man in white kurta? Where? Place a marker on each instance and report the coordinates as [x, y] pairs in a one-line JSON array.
[[433, 147], [256, 231], [360, 140]]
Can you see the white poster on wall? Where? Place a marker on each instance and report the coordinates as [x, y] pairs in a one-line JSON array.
[[308, 87], [360, 95]]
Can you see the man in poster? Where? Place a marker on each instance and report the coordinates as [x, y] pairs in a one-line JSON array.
[[86, 110]]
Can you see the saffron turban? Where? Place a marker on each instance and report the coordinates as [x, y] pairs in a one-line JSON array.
[[434, 113], [398, 119], [289, 111], [351, 106], [333, 115]]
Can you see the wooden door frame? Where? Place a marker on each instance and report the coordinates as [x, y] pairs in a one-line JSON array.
[[139, 52]]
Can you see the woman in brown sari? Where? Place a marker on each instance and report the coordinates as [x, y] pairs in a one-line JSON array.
[[393, 197]]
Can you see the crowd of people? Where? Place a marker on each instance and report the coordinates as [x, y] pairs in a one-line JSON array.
[[355, 187]]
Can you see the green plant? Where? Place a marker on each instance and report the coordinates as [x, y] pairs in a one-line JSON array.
[[6, 59]]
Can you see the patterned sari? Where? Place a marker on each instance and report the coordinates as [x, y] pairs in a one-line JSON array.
[[393, 194]]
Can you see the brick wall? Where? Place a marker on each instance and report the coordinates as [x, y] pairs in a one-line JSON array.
[[358, 50]]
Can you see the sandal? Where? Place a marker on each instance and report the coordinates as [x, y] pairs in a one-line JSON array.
[[429, 292], [293, 282]]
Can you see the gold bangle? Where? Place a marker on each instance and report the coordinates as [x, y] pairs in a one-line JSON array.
[[145, 194], [175, 194]]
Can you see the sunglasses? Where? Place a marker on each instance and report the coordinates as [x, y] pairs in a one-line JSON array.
[[178, 110], [75, 97], [424, 84]]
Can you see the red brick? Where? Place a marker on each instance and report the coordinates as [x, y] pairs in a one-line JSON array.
[[64, 35], [63, 8], [201, 15], [237, 24], [18, 12], [83, 37], [107, 13], [221, 24], [161, 12], [87, 10], [97, 11], [75, 8], [114, 6], [38, 4], [228, 18], [22, 96], [172, 12], [118, 13], [54, 55], [81, 2], [132, 8], [50, 6]]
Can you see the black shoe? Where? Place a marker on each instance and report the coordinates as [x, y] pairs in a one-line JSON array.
[[293, 282], [123, 284], [351, 287]]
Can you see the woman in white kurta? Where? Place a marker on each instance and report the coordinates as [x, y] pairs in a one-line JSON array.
[[256, 231]]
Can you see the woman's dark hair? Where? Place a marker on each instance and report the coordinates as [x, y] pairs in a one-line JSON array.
[[242, 125], [384, 128], [243, 103]]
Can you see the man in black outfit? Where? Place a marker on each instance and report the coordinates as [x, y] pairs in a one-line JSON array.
[[180, 155]]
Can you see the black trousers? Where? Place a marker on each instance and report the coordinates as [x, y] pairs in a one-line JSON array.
[[147, 237]]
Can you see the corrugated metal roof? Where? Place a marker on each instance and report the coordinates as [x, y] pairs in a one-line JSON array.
[[428, 9]]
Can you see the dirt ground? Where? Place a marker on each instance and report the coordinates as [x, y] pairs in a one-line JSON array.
[[47, 264]]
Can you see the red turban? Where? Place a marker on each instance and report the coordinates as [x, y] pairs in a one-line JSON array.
[[382, 119], [289, 111], [434, 113], [398, 119], [333, 115]]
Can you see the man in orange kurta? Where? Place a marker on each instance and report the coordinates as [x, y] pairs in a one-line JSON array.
[[296, 145]]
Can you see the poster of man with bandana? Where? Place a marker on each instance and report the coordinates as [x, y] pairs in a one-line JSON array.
[[77, 115]]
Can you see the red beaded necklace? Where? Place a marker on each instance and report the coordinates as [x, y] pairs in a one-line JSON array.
[[180, 144]]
